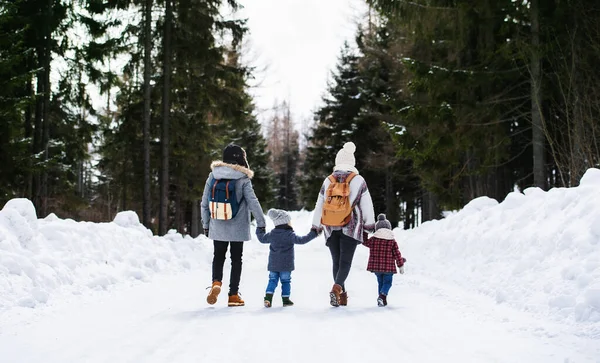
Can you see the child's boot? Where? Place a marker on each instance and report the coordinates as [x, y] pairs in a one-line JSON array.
[[344, 298], [215, 289], [286, 301], [235, 300], [268, 300], [382, 300]]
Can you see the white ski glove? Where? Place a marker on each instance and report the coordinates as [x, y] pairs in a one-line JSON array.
[[401, 269]]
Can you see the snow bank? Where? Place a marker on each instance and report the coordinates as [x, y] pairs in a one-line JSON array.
[[39, 257], [537, 251]]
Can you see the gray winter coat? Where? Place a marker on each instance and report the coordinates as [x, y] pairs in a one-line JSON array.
[[238, 228], [281, 250]]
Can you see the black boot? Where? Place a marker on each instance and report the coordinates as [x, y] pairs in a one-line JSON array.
[[268, 300], [382, 300], [286, 301]]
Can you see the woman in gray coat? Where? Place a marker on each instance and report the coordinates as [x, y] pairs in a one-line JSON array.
[[235, 231]]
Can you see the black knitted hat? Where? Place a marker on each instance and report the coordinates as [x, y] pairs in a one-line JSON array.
[[234, 154]]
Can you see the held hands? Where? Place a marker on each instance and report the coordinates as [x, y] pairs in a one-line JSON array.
[[318, 230], [261, 230]]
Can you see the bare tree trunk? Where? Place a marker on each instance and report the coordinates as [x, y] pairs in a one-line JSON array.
[[147, 64], [80, 187], [391, 205], [539, 152], [431, 208], [37, 133], [179, 213], [409, 213], [195, 219], [29, 128], [124, 187], [46, 116], [166, 110], [578, 158], [41, 131]]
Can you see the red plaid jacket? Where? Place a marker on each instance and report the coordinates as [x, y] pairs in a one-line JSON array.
[[384, 253]]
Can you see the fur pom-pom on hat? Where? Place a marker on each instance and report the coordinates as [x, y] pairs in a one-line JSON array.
[[279, 216], [344, 159], [382, 222]]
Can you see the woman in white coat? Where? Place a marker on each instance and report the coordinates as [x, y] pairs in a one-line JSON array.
[[342, 240]]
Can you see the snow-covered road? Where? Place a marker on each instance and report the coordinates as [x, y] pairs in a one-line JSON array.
[[168, 320]]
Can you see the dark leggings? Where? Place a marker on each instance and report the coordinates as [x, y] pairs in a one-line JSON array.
[[236, 263], [342, 250]]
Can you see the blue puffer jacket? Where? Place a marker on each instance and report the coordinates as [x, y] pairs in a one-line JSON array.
[[282, 240]]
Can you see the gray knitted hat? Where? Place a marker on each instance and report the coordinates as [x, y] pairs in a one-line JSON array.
[[382, 222], [279, 216]]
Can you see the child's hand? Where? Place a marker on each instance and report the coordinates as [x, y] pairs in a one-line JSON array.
[[261, 230], [401, 270]]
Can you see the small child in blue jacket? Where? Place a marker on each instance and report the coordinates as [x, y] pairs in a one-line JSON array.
[[281, 254]]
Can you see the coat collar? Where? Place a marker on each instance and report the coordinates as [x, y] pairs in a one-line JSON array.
[[239, 168], [384, 233]]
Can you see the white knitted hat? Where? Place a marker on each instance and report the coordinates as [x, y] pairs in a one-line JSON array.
[[279, 216], [344, 160]]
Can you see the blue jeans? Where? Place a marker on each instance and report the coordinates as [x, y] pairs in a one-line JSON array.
[[384, 280], [286, 282]]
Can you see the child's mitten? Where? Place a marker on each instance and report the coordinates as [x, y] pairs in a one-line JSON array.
[[401, 269]]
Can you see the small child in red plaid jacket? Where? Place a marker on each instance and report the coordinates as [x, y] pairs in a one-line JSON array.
[[384, 255]]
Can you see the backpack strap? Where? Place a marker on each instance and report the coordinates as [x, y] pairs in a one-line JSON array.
[[212, 205], [226, 198], [216, 181], [350, 177]]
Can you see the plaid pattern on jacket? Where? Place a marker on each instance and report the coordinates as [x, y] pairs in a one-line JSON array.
[[384, 254]]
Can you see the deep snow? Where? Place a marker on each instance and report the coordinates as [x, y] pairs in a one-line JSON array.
[[517, 281]]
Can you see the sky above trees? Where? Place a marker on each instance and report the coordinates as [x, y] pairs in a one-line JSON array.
[[295, 45]]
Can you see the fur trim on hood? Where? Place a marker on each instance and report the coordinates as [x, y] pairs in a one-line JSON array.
[[239, 168]]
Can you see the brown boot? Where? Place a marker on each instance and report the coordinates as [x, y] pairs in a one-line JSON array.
[[334, 295], [344, 298], [214, 292], [235, 300]]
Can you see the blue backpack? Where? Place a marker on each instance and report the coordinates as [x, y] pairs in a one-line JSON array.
[[223, 203]]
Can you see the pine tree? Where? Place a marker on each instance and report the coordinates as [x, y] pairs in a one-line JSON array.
[[335, 124], [462, 94], [284, 149]]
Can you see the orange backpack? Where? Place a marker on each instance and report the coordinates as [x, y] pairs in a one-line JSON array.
[[337, 207]]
